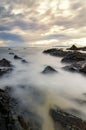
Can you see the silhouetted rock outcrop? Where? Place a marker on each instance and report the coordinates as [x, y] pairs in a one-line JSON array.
[[77, 48], [49, 70], [67, 121], [55, 52], [72, 48]]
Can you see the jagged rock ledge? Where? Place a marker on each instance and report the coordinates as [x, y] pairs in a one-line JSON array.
[[79, 67], [73, 47], [67, 121], [13, 116], [56, 52]]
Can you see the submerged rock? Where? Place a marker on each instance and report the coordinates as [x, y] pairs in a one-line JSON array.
[[67, 121], [17, 57], [49, 70], [74, 57], [5, 63], [24, 61], [11, 53]]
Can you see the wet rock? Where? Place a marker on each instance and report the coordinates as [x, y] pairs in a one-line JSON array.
[[74, 57], [79, 67], [5, 71], [14, 115], [83, 69], [7, 120], [9, 48], [17, 57], [56, 52], [5, 63], [11, 53], [24, 61], [5, 67], [23, 123], [67, 121], [72, 48], [77, 48], [49, 70]]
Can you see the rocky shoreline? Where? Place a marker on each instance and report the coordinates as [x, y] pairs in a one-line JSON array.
[[75, 59]]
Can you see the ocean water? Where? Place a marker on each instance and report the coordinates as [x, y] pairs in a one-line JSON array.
[[39, 92]]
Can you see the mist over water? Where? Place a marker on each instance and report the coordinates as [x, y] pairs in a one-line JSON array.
[[39, 92]]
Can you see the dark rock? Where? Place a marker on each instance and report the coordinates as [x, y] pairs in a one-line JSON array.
[[5, 71], [17, 57], [79, 67], [72, 48], [74, 57], [67, 121], [49, 70], [83, 69], [7, 120], [56, 52], [14, 116], [9, 48], [6, 67], [5, 63], [23, 123], [24, 61], [70, 68], [11, 53], [77, 48]]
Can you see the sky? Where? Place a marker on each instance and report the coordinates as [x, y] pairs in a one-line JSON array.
[[42, 22]]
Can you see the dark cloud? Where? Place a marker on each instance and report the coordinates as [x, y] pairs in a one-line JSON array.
[[11, 37], [3, 28]]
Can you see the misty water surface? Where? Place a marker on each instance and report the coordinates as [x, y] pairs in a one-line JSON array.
[[39, 92]]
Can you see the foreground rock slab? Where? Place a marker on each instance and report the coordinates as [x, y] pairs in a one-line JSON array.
[[67, 121], [15, 117]]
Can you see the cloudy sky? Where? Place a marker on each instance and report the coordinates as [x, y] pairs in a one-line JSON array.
[[42, 22]]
